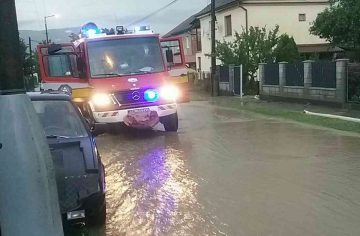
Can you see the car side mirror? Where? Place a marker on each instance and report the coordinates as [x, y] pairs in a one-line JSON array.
[[169, 56]]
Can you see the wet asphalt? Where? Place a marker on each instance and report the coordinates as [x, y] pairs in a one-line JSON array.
[[228, 172]]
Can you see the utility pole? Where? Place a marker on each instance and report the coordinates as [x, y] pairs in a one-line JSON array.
[[11, 74], [46, 31], [31, 57], [46, 27], [213, 47], [30, 48], [28, 201]]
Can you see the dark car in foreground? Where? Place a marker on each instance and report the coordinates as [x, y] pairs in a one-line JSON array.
[[80, 173]]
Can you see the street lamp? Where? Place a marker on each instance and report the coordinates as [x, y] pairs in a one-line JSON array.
[[46, 29]]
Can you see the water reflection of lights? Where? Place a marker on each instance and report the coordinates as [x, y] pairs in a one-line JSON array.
[[109, 61], [162, 188], [152, 194]]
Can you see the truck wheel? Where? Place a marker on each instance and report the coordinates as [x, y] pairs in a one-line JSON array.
[[171, 122]]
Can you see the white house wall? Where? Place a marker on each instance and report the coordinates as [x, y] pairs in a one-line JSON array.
[[285, 15]]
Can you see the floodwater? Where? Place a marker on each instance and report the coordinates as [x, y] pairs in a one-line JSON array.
[[227, 172]]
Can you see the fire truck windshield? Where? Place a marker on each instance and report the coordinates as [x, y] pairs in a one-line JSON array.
[[129, 56]]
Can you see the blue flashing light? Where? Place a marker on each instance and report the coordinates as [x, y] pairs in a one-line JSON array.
[[151, 95], [90, 30], [91, 33]]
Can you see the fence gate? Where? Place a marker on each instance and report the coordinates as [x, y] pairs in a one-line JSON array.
[[353, 83]]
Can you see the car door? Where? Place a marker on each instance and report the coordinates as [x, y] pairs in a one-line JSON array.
[[58, 65], [177, 69]]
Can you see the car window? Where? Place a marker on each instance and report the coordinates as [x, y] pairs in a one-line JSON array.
[[59, 118]]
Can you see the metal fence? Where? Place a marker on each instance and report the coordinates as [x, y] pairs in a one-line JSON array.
[[353, 83], [271, 74], [223, 72], [230, 77], [295, 74], [324, 74]]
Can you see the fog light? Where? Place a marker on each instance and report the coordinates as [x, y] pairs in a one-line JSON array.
[[74, 215]]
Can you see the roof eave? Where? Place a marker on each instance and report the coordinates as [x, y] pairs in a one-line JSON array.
[[221, 8]]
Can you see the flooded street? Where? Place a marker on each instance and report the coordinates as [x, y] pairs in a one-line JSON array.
[[227, 172]]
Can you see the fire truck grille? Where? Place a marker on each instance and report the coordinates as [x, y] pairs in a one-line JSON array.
[[133, 99], [130, 97]]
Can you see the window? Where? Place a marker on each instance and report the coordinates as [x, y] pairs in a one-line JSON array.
[[198, 40], [209, 31], [302, 17], [174, 46], [187, 42], [59, 65], [111, 58], [199, 64], [228, 26]]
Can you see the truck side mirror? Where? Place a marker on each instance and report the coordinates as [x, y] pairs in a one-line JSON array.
[[169, 56]]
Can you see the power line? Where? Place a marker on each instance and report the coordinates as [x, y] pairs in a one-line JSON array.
[[153, 13]]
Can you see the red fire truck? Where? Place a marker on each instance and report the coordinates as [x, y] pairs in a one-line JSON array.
[[118, 78]]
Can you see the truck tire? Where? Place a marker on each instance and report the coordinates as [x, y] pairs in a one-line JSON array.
[[170, 122]]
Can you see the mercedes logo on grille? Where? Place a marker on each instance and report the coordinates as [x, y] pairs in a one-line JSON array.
[[135, 96]]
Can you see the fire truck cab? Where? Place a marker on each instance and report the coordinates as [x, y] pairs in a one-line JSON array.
[[119, 78]]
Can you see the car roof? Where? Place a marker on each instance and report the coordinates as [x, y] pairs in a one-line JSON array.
[[49, 96]]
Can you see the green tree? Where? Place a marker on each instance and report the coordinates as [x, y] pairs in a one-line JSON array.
[[286, 49], [339, 24], [249, 49], [29, 65]]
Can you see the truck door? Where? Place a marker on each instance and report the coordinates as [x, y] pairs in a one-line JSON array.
[[58, 65], [177, 69]]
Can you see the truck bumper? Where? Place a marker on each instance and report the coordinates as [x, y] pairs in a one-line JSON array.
[[119, 116]]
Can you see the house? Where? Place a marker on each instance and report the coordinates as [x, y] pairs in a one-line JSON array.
[[293, 16], [189, 31]]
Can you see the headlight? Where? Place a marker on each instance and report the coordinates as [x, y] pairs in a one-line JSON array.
[[101, 100], [169, 92]]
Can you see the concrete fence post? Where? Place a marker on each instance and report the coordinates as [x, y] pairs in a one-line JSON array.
[[307, 76], [261, 76], [341, 80], [282, 76]]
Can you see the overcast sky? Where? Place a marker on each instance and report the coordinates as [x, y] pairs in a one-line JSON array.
[[105, 13]]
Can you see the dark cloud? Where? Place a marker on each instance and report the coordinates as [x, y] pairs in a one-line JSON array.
[[106, 13]]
